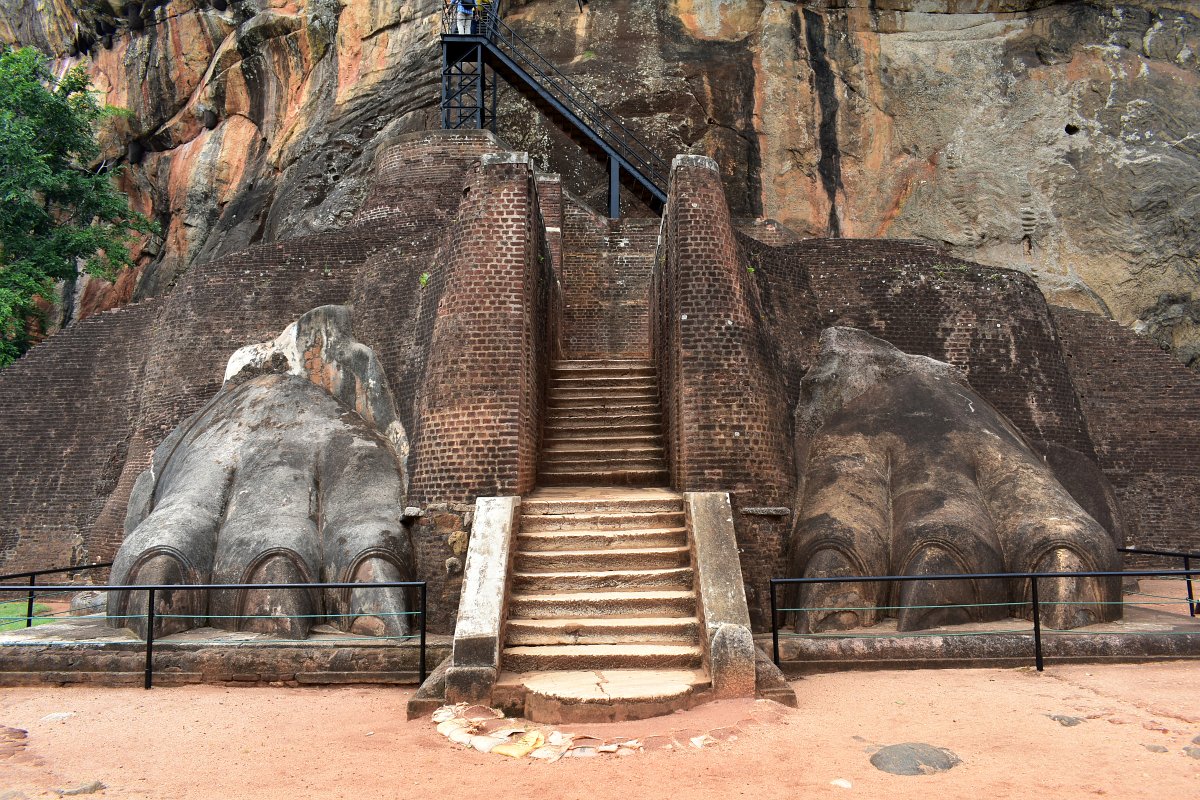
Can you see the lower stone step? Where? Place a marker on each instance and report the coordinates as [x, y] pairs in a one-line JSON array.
[[656, 603], [616, 558], [601, 656], [552, 540], [626, 630], [553, 463], [590, 410], [619, 520], [600, 696], [562, 501], [628, 580], [624, 477]]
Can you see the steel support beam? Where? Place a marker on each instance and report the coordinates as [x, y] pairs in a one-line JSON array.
[[614, 188]]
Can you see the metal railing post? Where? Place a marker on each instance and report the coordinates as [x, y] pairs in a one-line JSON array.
[[29, 604], [1037, 624], [774, 626], [1187, 565], [150, 639], [421, 655]]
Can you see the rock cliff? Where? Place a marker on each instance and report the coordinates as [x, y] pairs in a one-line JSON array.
[[1058, 138]]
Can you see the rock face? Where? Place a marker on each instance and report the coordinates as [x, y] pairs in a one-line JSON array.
[[1053, 137], [276, 481], [905, 470]]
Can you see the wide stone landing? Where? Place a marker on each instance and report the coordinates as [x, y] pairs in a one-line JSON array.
[[601, 695]]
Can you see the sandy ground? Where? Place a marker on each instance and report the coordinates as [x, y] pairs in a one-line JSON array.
[[252, 743]]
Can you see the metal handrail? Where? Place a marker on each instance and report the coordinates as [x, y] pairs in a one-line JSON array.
[[32, 575], [1193, 605], [495, 32], [1032, 577], [152, 589]]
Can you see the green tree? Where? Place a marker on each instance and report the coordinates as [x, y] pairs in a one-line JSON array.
[[54, 209]]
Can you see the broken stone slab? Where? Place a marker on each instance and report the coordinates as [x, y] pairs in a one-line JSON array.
[[770, 682], [475, 659]]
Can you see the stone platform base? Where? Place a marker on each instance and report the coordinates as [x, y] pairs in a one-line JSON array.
[[1144, 634], [83, 650], [584, 696]]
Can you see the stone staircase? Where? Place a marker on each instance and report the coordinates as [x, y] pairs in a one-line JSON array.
[[603, 425], [602, 614]]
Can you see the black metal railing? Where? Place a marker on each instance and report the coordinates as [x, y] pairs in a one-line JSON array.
[[33, 590], [576, 100], [1035, 603], [152, 616], [1186, 558]]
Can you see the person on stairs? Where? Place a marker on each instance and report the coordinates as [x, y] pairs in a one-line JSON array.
[[464, 17]]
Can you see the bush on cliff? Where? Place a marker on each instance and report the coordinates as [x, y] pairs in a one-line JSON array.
[[56, 210]]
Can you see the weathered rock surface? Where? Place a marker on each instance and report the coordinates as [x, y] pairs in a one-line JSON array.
[[1054, 137], [914, 758], [277, 480], [906, 470], [321, 346]]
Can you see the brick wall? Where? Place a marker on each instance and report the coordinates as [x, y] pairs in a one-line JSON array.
[[69, 409], [605, 276], [1143, 409]]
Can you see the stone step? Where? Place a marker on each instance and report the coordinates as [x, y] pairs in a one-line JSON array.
[[600, 463], [591, 540], [599, 520], [572, 410], [615, 558], [640, 382], [601, 656], [650, 603], [622, 477], [617, 580], [603, 403], [602, 429], [561, 440], [586, 697], [582, 630], [604, 392], [616, 447], [602, 366], [585, 501]]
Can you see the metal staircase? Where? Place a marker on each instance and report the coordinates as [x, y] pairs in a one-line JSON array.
[[471, 63]]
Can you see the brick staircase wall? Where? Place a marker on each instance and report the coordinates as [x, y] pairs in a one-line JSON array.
[[482, 399], [605, 274], [1143, 409], [68, 408]]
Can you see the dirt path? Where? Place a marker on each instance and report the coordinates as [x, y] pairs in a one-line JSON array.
[[266, 743]]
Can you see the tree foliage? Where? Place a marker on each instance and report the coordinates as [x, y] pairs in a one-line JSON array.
[[55, 211]]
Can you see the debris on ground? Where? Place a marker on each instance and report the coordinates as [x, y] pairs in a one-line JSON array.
[[489, 731]]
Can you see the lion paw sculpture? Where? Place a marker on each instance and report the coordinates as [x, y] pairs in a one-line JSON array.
[[906, 470], [278, 479]]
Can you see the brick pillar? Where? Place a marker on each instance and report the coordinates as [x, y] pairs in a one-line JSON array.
[[479, 396], [725, 409]]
